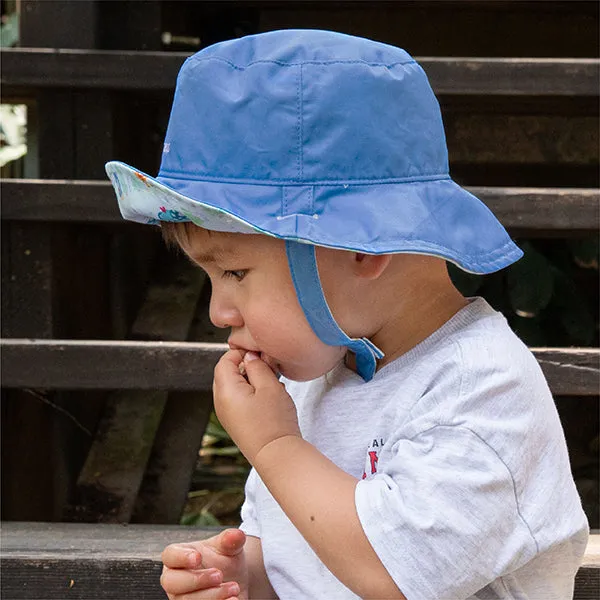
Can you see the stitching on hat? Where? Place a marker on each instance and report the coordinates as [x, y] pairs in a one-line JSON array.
[[301, 123], [306, 62], [200, 177]]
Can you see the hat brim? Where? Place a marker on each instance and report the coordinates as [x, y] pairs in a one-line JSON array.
[[434, 217]]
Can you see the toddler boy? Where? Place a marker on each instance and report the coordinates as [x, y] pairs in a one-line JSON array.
[[411, 448]]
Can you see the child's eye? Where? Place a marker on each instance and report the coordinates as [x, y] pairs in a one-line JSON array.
[[237, 275]]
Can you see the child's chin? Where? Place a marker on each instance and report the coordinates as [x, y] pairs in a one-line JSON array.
[[299, 374]]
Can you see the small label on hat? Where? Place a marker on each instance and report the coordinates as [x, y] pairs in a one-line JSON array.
[[167, 148]]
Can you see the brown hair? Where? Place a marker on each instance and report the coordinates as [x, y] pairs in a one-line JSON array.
[[176, 235]]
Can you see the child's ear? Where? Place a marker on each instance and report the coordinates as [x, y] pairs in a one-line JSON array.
[[371, 266]]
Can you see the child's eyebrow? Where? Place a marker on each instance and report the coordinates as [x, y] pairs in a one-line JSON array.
[[211, 256]]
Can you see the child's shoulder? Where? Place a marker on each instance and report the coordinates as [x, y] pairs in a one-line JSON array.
[[472, 367], [488, 349], [476, 342]]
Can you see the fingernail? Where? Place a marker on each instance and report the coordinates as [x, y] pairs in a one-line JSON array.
[[251, 356], [233, 589], [193, 559], [215, 577]]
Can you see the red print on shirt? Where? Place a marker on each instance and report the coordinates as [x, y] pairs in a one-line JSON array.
[[372, 457]]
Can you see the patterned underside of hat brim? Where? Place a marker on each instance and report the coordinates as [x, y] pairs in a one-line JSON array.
[[432, 216]]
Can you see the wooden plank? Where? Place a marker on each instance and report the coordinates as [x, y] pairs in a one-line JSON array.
[[451, 27], [110, 479], [130, 25], [513, 76], [98, 69], [68, 364], [60, 23], [106, 69], [172, 464], [167, 479], [27, 281], [66, 560], [587, 582], [94, 201], [571, 371], [59, 561], [523, 139], [543, 208]]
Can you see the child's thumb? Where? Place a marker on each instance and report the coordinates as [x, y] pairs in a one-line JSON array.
[[231, 542], [259, 373]]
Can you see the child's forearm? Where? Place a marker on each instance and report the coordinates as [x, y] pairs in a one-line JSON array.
[[260, 586], [318, 497]]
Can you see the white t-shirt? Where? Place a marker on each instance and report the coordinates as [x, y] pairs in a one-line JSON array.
[[466, 488]]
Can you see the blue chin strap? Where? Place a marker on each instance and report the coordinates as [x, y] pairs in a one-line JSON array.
[[305, 275]]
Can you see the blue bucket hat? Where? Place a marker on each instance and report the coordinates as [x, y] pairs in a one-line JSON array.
[[316, 138]]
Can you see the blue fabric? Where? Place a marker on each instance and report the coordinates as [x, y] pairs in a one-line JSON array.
[[314, 136], [318, 137], [305, 275]]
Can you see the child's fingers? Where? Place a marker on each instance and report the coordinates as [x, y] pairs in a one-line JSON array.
[[229, 542], [228, 377], [222, 592], [181, 556], [260, 374], [181, 581]]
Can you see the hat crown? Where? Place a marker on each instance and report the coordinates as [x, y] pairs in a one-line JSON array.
[[304, 107]]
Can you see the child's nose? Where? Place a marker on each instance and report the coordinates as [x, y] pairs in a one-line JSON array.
[[223, 313]]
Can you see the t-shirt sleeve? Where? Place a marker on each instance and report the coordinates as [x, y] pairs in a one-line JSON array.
[[442, 515], [250, 524]]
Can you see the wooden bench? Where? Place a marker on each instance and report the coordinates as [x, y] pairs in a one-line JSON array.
[[82, 562]]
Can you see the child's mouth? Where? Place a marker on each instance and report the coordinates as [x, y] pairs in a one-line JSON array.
[[269, 361]]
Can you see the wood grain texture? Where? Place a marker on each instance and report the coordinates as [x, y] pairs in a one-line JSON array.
[[127, 70], [53, 561], [571, 371], [58, 561], [67, 364]]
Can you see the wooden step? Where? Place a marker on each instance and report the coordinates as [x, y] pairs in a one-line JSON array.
[[564, 209], [77, 561], [127, 70], [69, 364]]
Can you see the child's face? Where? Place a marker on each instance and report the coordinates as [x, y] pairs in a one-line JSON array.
[[253, 294]]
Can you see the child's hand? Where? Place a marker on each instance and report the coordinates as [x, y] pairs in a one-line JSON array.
[[255, 411], [212, 569]]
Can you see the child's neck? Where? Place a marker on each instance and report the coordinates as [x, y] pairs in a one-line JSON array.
[[413, 319]]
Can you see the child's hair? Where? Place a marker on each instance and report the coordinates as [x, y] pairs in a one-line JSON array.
[[177, 235]]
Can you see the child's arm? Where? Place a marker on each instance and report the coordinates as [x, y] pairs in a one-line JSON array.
[[316, 495]]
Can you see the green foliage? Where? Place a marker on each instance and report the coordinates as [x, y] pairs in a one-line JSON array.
[[219, 504], [550, 296], [202, 519]]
